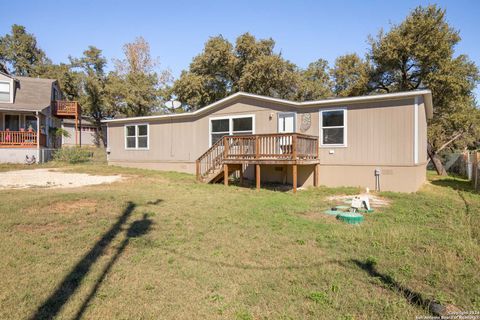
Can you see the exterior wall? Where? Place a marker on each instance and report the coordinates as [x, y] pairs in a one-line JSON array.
[[88, 137], [392, 178], [379, 135], [17, 155]]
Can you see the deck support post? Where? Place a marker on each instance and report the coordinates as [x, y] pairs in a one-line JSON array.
[[316, 181], [257, 176], [294, 177], [225, 175], [241, 174]]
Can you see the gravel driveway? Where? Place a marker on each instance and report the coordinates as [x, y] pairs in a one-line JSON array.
[[50, 178]]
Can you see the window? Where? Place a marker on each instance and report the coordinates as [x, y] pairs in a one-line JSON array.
[[238, 125], [333, 128], [136, 136], [5, 91], [31, 122], [12, 122]]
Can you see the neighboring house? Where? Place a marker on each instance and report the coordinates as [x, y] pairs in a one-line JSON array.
[[88, 131], [30, 110], [368, 141]]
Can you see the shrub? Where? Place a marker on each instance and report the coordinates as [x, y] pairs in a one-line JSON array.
[[73, 155]]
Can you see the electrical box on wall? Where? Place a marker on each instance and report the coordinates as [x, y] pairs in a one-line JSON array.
[[331, 151]]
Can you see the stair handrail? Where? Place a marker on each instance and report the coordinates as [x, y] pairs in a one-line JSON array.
[[201, 171]]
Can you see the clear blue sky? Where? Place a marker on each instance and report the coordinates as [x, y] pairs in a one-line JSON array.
[[176, 30]]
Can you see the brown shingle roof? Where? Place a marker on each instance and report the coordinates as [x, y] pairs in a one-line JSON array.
[[31, 94]]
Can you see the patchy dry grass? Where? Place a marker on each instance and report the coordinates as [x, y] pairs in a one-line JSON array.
[[160, 246]]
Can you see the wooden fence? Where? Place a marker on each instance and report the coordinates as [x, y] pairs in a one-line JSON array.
[[474, 167]]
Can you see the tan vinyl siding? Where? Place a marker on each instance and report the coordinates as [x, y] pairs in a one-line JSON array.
[[380, 134]]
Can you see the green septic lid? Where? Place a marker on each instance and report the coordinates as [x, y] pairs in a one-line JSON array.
[[350, 217], [332, 212]]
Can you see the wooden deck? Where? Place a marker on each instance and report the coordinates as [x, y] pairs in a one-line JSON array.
[[231, 152], [21, 139], [62, 108]]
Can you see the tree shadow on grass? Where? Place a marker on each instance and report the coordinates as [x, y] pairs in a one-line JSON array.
[[414, 298], [137, 229], [69, 285], [455, 184]]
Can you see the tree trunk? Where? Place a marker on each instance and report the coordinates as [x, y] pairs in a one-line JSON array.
[[437, 163]]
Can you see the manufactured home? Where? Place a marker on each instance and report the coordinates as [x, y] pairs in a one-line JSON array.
[[375, 141]]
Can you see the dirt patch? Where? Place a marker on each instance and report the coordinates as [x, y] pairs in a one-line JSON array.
[[50, 178], [375, 201]]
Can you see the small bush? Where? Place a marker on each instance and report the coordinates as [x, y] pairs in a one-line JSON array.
[[73, 155]]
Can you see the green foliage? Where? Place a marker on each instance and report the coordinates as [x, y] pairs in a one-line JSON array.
[[90, 70], [270, 76], [251, 66], [419, 53], [20, 54], [135, 88], [351, 76], [73, 155], [315, 82]]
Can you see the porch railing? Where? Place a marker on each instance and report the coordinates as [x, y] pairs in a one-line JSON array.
[[281, 146], [21, 138]]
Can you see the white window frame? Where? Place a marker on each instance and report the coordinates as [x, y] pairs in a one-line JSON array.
[[345, 128], [230, 124], [9, 83], [136, 125], [294, 120]]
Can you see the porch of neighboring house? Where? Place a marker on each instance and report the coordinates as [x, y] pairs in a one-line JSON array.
[[21, 130], [22, 135], [232, 154]]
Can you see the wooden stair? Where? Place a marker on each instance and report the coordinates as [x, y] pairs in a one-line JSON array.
[[217, 175]]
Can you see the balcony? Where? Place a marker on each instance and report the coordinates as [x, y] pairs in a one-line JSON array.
[[21, 139], [62, 108]]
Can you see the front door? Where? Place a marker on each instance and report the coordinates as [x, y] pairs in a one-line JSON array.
[[286, 122]]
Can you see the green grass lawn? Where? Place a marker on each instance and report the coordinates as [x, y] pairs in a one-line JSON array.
[[161, 246]]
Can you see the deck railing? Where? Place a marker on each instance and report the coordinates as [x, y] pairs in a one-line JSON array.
[[26, 139], [211, 160], [65, 108], [262, 147]]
